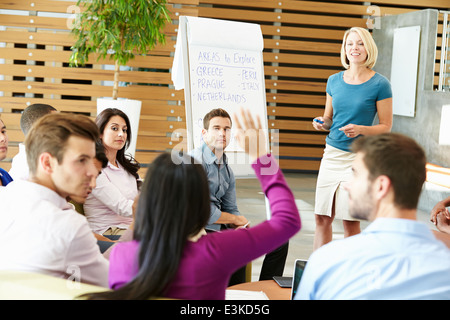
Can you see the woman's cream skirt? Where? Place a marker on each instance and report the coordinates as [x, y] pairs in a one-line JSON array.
[[335, 170]]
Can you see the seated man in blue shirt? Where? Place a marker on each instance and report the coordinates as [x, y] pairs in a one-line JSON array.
[[395, 257], [216, 135]]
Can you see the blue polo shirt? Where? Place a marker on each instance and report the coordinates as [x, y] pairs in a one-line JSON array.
[[354, 104]]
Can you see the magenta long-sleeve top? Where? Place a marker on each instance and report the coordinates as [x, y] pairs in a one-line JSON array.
[[207, 264]]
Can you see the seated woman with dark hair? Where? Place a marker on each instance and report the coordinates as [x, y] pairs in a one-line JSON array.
[[5, 178], [109, 208], [174, 205]]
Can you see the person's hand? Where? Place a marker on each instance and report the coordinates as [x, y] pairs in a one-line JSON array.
[[443, 222], [438, 208], [321, 123], [351, 130], [240, 223], [250, 137]]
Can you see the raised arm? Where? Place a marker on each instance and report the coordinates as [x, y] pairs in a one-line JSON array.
[[238, 247]]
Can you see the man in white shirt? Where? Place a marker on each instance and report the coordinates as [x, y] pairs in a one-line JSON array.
[[19, 165], [40, 232], [396, 256]]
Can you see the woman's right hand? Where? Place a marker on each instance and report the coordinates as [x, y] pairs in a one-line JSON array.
[[250, 136], [320, 123]]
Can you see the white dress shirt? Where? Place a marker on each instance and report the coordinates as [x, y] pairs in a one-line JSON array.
[[111, 202], [40, 232], [19, 165]]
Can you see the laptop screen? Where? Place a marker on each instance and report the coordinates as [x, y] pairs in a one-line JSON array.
[[299, 267]]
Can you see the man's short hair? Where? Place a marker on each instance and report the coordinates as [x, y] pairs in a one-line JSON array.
[[51, 132], [215, 113], [399, 158], [32, 113]]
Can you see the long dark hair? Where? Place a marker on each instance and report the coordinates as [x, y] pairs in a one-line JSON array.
[[173, 206], [127, 161]]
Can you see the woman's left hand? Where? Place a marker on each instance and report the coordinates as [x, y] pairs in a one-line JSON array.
[[351, 130]]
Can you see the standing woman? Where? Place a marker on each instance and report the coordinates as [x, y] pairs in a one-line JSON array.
[[5, 178], [109, 208], [354, 97]]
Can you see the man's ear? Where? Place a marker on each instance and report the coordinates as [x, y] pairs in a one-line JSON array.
[[204, 132], [382, 187], [46, 162]]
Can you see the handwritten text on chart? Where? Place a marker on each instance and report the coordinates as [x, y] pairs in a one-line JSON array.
[[224, 76]]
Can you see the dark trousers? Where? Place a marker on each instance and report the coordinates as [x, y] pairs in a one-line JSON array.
[[273, 265], [104, 245]]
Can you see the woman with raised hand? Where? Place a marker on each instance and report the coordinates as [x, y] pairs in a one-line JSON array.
[[164, 260]]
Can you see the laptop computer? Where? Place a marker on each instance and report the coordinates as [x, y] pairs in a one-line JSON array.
[[292, 282], [299, 267]]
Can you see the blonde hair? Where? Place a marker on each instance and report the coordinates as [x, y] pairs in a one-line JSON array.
[[369, 44]]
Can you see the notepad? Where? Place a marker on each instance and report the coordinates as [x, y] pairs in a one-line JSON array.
[[245, 295]]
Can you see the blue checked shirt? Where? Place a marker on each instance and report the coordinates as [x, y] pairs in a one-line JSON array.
[[222, 184]]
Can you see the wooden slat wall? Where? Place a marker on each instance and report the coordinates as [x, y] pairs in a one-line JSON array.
[[302, 43], [35, 69]]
